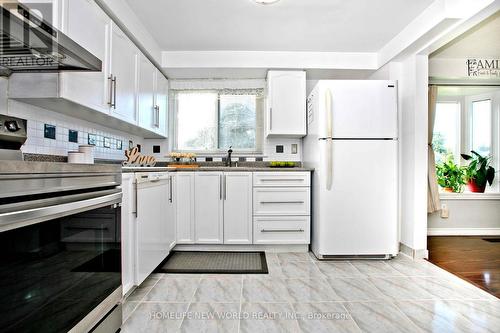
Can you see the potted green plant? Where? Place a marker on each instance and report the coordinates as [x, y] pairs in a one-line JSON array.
[[479, 172], [450, 176]]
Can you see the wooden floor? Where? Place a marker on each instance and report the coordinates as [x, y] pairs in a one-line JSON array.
[[469, 257]]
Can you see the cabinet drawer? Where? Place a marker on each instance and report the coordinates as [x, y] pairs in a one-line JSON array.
[[281, 230], [290, 178], [281, 201]]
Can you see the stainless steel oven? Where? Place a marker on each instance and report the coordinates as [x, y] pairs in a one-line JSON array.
[[60, 248]]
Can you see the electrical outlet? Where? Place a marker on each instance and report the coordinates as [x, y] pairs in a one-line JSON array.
[[445, 213], [294, 148]]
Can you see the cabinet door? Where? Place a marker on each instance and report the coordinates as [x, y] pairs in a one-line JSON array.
[[208, 208], [286, 111], [87, 88], [124, 69], [184, 207], [238, 208], [145, 98], [152, 242], [161, 101], [128, 231], [171, 217]]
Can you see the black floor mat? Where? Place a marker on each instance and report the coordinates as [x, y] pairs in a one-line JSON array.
[[108, 261], [492, 240], [193, 262]]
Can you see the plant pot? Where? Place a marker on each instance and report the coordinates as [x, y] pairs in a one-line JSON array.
[[473, 187], [448, 189]]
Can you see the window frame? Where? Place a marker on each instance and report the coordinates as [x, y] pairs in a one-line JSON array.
[[259, 122]]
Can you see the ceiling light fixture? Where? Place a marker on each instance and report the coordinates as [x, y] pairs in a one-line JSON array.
[[266, 2]]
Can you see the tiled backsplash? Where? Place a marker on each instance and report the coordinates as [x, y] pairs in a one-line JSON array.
[[38, 144]]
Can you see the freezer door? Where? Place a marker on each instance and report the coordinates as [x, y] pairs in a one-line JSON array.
[[358, 109], [358, 215]]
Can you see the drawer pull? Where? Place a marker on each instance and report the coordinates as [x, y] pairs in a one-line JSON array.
[[282, 230], [282, 180], [282, 202]]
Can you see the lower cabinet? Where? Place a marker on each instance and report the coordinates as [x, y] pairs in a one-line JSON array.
[[184, 207], [208, 208], [238, 208], [281, 230]]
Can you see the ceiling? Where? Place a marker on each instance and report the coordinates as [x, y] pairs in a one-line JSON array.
[[289, 25], [480, 41]]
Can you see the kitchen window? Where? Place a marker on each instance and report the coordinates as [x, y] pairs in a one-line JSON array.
[[446, 137], [213, 120]]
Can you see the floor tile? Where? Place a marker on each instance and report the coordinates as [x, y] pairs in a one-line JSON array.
[[141, 291], [310, 290], [375, 317], [301, 269], [355, 289], [223, 289], [400, 288], [338, 269], [408, 267], [485, 315], [211, 317], [324, 317], [265, 290], [155, 318], [375, 268], [435, 316], [268, 317], [173, 290], [293, 256], [128, 308]]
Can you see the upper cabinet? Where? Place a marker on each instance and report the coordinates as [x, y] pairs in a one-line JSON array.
[[152, 89], [92, 34], [129, 94], [122, 78], [286, 103]]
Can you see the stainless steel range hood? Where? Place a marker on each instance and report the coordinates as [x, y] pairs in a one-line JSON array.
[[30, 44]]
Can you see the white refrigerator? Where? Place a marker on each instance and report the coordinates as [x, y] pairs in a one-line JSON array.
[[352, 144]]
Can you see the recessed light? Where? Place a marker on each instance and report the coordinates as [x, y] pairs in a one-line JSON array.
[[266, 2]]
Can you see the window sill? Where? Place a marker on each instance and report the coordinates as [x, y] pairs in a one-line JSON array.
[[470, 196]]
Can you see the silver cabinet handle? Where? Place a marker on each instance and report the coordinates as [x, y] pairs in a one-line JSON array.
[[110, 99], [136, 200], [282, 202], [157, 107], [282, 230], [113, 81], [170, 198], [282, 180], [220, 187]]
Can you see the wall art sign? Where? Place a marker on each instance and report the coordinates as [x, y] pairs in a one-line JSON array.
[[136, 159], [483, 67]]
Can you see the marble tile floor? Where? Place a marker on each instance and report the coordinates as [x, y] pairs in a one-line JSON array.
[[302, 294]]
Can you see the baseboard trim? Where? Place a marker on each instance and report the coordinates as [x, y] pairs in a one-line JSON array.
[[251, 247], [463, 231], [413, 253]]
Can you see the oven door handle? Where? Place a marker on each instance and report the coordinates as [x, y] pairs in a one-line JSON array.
[[21, 218]]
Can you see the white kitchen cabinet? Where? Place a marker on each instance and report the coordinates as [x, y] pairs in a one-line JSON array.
[[161, 103], [171, 213], [128, 231], [87, 88], [237, 208], [145, 93], [282, 230], [209, 224], [286, 103], [184, 207], [123, 69]]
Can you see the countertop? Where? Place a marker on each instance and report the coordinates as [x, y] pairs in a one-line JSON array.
[[20, 167], [215, 168]]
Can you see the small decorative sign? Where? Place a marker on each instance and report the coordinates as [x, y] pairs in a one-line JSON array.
[[136, 159], [483, 67]]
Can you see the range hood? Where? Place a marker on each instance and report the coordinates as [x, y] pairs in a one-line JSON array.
[[30, 44]]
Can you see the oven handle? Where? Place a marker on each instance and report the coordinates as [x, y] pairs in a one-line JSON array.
[[21, 218]]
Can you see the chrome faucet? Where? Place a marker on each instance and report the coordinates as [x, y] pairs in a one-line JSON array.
[[228, 158]]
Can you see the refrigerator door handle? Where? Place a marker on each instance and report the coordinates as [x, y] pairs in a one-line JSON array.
[[329, 113], [329, 164]]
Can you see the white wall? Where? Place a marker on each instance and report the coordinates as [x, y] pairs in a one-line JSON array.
[[411, 74]]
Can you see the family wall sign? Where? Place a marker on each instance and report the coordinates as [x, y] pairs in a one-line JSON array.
[[477, 67]]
